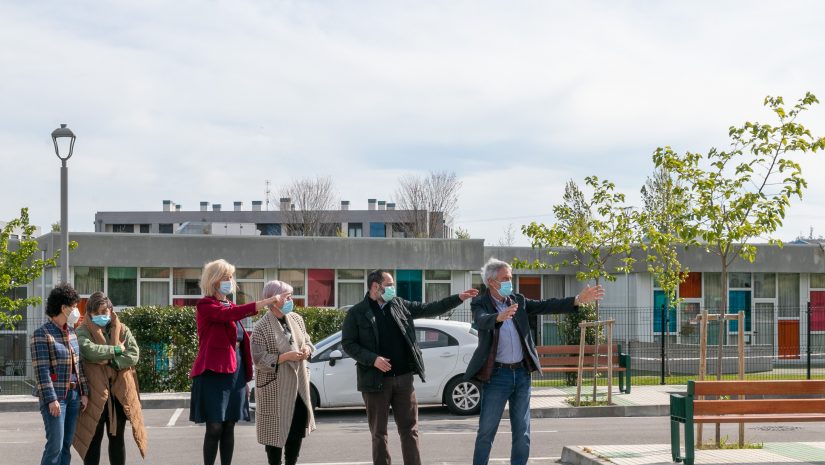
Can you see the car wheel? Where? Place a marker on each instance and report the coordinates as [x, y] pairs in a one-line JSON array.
[[313, 397], [463, 397]]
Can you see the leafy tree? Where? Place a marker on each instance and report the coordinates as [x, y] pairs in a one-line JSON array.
[[740, 194], [18, 267], [597, 229]]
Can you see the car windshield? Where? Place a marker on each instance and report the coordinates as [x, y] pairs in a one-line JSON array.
[[327, 340]]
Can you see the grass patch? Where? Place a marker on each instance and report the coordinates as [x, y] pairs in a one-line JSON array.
[[587, 401], [724, 443]]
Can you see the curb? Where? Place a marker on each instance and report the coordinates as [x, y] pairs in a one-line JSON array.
[[573, 455], [594, 412], [162, 401]]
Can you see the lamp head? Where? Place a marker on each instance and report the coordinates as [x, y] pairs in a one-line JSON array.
[[63, 136]]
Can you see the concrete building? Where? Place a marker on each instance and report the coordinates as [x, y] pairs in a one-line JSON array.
[[164, 269], [380, 219]]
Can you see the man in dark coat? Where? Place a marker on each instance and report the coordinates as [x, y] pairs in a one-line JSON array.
[[380, 335], [506, 355]]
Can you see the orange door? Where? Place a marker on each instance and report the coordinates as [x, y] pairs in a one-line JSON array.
[[788, 338]]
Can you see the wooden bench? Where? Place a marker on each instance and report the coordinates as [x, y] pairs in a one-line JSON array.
[[565, 359], [768, 402]]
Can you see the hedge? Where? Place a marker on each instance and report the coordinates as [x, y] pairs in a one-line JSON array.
[[168, 341]]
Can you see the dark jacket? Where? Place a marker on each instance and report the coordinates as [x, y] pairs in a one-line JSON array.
[[360, 335], [484, 320]]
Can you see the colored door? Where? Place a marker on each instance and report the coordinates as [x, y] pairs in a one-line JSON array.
[[789, 339], [817, 310]]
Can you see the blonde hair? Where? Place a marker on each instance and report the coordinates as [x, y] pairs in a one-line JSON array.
[[212, 274]]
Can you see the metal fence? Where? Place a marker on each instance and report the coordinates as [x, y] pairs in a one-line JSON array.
[[780, 343]]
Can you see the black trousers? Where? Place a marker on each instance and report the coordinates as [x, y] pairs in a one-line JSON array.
[[117, 445], [297, 430]]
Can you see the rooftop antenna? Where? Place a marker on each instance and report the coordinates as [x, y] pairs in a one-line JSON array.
[[268, 193]]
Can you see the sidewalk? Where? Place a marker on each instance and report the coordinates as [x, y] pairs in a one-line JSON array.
[[659, 454]]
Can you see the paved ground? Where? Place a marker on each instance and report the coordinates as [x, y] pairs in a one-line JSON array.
[[659, 454]]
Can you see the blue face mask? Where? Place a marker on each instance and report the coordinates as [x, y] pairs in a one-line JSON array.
[[225, 288], [506, 288], [101, 320], [389, 293], [288, 306]]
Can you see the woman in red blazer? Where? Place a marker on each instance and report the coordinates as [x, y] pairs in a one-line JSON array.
[[224, 362]]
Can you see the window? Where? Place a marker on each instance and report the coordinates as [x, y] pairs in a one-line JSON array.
[[88, 279], [817, 280], [165, 228], [477, 282], [144, 228], [739, 280], [122, 286], [295, 278], [321, 284], [764, 285], [154, 286], [186, 281], [713, 291], [378, 230], [324, 356], [355, 229], [269, 229], [429, 338], [13, 349], [329, 229], [123, 228], [788, 300], [438, 285], [691, 287], [689, 331], [250, 286], [408, 284], [351, 287]]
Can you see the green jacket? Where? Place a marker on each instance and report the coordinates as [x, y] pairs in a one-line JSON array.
[[92, 352]]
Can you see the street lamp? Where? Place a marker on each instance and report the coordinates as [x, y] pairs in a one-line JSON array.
[[63, 139]]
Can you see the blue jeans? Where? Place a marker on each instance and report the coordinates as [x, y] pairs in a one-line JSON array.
[[60, 430], [505, 385]]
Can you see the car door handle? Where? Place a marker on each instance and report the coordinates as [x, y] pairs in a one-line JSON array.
[[447, 354]]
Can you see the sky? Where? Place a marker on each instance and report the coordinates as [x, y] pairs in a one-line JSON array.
[[207, 100]]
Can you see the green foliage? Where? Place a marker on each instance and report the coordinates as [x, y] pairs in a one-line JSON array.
[[461, 233], [742, 193], [661, 222], [19, 267], [597, 229], [168, 341], [321, 322]]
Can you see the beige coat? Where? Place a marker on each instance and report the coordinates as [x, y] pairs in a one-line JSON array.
[[277, 385]]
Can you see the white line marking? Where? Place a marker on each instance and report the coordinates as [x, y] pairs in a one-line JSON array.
[[15, 442], [473, 432], [174, 418]]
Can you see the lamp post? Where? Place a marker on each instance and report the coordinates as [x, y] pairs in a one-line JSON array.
[[64, 136]]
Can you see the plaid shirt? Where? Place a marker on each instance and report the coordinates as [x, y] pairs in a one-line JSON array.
[[52, 361]]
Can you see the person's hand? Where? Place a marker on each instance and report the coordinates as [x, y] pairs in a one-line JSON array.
[[54, 408], [383, 364], [468, 294], [306, 351], [589, 294], [291, 356], [277, 299], [122, 348], [84, 402], [507, 314]]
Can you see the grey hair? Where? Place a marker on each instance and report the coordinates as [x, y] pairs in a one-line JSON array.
[[492, 267], [275, 287]]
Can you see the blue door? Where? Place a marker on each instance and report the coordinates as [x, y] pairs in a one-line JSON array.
[[739, 301], [660, 300]]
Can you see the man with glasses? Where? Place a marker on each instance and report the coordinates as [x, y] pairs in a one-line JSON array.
[[380, 335], [506, 355]]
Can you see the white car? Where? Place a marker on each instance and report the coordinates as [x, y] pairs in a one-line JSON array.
[[446, 346]]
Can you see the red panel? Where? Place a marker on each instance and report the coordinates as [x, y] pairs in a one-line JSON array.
[[178, 302], [321, 288], [788, 339], [691, 287], [530, 286], [817, 310]]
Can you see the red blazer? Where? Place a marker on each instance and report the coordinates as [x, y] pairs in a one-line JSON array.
[[217, 335]]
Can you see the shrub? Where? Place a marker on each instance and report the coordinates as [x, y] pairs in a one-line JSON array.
[[168, 341], [320, 321]]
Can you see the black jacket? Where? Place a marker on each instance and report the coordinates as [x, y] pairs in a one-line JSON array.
[[484, 320], [360, 335]]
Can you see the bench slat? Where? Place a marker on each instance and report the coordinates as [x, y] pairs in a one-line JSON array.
[[574, 369], [574, 361], [799, 387], [574, 349], [758, 406], [801, 417]]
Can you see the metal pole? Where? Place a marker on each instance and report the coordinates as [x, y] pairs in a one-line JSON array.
[[664, 325], [808, 343], [64, 223]]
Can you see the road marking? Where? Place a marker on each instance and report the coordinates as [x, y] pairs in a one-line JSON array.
[[15, 442], [174, 418], [473, 432]]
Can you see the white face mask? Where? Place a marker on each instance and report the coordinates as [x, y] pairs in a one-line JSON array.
[[72, 317]]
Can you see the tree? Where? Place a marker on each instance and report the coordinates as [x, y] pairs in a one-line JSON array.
[[461, 233], [742, 193], [427, 201], [312, 201], [18, 267], [597, 230], [509, 237]]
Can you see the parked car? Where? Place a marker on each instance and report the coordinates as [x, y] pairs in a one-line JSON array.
[[446, 346]]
